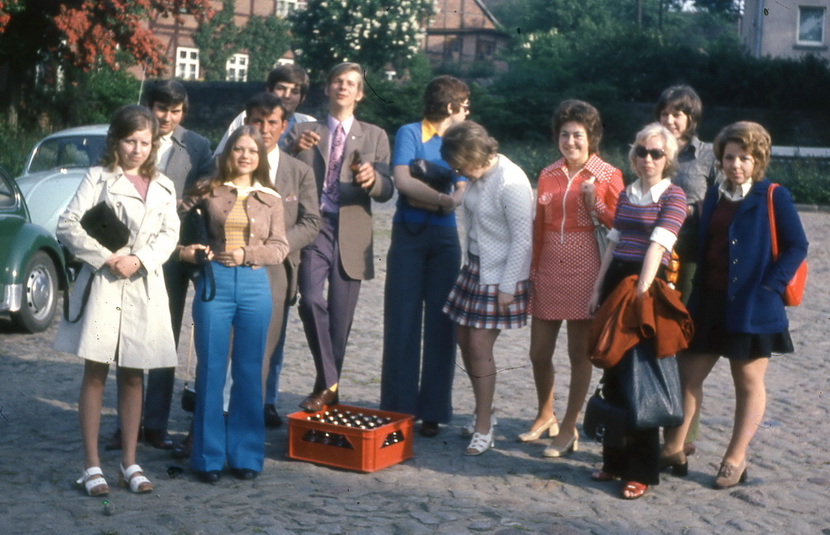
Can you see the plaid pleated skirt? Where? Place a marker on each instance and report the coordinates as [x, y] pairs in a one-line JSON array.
[[473, 304]]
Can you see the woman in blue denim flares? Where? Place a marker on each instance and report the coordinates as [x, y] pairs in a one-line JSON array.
[[245, 231]]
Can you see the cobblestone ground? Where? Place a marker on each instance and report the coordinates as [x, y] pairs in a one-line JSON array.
[[511, 489]]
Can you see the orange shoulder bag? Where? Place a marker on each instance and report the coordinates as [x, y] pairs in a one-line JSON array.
[[795, 288]]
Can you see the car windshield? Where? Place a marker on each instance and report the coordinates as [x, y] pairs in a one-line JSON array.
[[65, 152]]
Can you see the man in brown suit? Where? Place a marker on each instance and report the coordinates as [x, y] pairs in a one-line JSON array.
[[341, 255]]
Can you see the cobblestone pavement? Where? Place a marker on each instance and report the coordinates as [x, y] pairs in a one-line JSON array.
[[510, 489]]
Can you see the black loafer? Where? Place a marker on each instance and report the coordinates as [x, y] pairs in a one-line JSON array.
[[181, 450], [429, 429], [272, 417], [244, 473], [211, 476]]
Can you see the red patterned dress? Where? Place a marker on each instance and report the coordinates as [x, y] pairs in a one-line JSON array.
[[565, 253]]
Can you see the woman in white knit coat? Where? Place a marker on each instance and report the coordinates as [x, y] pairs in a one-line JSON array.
[[491, 291]]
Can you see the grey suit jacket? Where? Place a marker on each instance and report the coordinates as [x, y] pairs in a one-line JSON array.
[[301, 211], [190, 159], [355, 214]]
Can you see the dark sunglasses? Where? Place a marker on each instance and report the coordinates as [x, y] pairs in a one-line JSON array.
[[642, 152]]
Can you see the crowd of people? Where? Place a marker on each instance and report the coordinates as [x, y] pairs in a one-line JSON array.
[[281, 214]]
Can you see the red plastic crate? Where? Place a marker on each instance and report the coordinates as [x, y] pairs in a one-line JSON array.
[[362, 450]]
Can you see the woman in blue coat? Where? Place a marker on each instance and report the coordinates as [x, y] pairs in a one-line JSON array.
[[737, 300]]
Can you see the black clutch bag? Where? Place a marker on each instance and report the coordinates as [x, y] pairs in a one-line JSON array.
[[101, 223], [433, 175], [605, 422]]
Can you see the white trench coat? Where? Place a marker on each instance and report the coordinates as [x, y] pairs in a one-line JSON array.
[[130, 315]]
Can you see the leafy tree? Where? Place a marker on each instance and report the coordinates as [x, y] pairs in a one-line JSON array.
[[371, 32], [217, 39], [80, 35], [266, 39]]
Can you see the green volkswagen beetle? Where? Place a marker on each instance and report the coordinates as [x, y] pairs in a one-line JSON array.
[[32, 265]]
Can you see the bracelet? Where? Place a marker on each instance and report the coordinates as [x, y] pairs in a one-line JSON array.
[[439, 198]]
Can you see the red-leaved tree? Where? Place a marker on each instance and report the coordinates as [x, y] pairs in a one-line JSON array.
[[79, 35]]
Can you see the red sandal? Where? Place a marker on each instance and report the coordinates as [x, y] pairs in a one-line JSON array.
[[635, 490]]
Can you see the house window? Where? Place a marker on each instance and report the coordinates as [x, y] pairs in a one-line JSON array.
[[284, 8], [236, 68], [811, 25], [187, 63]]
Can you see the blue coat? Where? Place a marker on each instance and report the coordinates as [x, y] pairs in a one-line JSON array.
[[755, 284]]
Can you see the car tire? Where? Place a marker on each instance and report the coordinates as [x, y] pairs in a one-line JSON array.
[[40, 294]]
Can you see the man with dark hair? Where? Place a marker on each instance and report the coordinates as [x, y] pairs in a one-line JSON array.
[[290, 84], [350, 160], [184, 157], [294, 181]]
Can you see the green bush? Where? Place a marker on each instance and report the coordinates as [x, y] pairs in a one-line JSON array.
[[805, 178], [16, 143]]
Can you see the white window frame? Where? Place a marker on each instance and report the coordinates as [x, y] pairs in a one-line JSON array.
[[283, 8], [236, 68], [187, 63], [823, 39]]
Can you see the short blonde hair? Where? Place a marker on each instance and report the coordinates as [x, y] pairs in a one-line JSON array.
[[669, 147], [468, 144], [752, 137]]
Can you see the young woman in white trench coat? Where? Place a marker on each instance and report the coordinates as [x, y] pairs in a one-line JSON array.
[[126, 319]]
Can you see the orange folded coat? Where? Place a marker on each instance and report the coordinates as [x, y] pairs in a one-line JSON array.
[[623, 321]]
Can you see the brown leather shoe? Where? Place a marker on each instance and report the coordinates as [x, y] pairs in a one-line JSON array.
[[158, 438], [319, 399]]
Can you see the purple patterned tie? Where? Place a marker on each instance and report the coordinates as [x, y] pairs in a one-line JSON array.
[[332, 185]]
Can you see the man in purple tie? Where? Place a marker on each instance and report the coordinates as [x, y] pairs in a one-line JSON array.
[[350, 160]]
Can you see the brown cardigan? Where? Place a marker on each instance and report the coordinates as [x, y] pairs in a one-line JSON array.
[[267, 243], [623, 321]]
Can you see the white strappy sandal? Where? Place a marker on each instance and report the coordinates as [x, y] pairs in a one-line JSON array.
[[134, 476], [470, 428], [480, 443], [93, 481]]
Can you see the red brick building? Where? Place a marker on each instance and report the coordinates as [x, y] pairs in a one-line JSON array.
[[464, 31]]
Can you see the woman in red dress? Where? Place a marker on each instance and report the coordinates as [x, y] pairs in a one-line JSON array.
[[572, 192]]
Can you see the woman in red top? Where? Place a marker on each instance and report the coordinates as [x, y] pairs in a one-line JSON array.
[[565, 263]]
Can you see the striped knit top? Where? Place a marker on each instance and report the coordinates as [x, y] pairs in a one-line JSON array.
[[646, 216]]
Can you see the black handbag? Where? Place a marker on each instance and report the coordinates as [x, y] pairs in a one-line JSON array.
[[196, 231], [433, 175], [651, 388], [604, 421], [102, 223]]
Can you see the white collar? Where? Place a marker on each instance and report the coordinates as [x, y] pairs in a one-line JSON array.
[[635, 192], [255, 187], [740, 192]]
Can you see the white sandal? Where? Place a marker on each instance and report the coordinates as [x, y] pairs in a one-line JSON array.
[[480, 443], [470, 428], [93, 481], [138, 482]]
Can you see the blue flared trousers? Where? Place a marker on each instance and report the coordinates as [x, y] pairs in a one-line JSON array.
[[242, 302]]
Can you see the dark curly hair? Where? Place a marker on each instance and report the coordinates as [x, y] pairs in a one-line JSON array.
[[580, 112]]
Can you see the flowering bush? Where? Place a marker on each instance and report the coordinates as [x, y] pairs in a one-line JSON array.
[[373, 33]]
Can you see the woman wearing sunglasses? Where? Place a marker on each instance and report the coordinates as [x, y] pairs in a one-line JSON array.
[[649, 215]]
